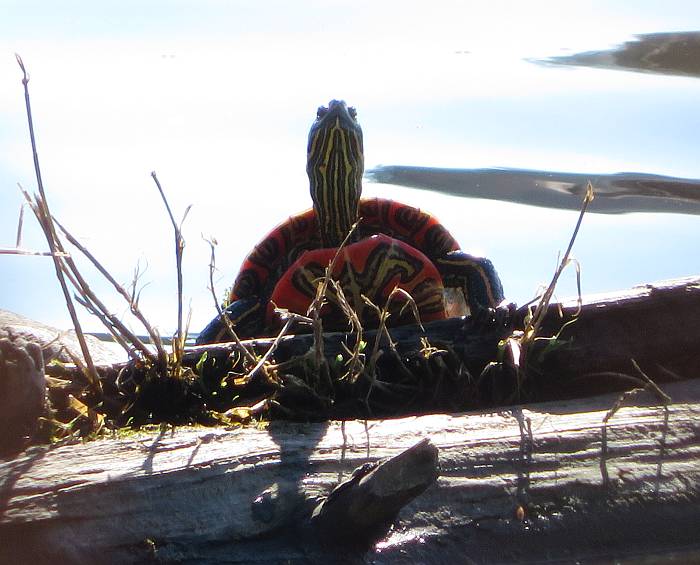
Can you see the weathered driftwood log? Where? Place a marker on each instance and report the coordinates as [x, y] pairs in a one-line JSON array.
[[527, 484], [26, 347], [433, 371], [55, 344], [364, 507], [595, 351]]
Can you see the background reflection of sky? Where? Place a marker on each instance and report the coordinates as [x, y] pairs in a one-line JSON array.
[[218, 97]]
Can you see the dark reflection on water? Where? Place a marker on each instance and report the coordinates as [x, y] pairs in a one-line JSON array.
[[615, 193], [664, 53]]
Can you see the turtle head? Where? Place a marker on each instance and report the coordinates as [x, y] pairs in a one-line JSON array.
[[335, 163]]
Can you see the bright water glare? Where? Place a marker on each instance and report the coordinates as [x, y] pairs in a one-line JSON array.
[[218, 98]]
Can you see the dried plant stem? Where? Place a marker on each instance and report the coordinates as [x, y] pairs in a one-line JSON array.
[[519, 344], [106, 322], [287, 325], [20, 223], [355, 364], [383, 314], [47, 226], [179, 247], [222, 315], [114, 322], [649, 385], [89, 300], [19, 251], [314, 309], [540, 311]]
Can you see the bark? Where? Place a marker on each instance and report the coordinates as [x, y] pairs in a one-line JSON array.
[[654, 325], [22, 390]]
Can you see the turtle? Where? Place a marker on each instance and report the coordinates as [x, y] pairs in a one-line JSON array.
[[373, 245]]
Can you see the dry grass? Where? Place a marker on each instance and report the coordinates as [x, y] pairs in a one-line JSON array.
[[314, 311], [222, 315], [151, 367], [180, 336], [520, 344]]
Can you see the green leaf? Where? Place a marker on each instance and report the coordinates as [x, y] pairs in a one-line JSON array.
[[200, 363]]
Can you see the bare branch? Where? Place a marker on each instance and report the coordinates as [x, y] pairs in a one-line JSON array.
[[136, 342], [47, 226], [222, 315], [179, 248]]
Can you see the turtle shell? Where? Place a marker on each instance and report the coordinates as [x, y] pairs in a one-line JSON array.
[[277, 252], [395, 245], [368, 270]]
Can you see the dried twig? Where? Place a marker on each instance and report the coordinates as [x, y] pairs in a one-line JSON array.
[[520, 345], [44, 218], [82, 284], [649, 385], [106, 322], [20, 251], [287, 325], [20, 222], [222, 315], [354, 364], [536, 320], [314, 309], [179, 247], [384, 314]]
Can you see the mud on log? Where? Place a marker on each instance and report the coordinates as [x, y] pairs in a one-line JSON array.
[[526, 484]]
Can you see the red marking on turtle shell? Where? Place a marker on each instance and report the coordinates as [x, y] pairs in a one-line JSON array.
[[275, 254], [373, 266]]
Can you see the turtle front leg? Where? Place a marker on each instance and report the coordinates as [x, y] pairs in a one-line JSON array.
[[247, 315], [472, 287]]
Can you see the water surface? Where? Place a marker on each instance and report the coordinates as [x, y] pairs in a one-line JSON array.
[[218, 99]]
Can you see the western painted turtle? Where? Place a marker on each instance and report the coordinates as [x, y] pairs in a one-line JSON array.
[[392, 245]]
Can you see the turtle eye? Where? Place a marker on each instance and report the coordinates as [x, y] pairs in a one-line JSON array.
[[322, 111], [352, 112]]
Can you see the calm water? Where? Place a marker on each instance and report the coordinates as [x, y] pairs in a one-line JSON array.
[[218, 100]]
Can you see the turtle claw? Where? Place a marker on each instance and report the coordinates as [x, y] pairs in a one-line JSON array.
[[500, 317]]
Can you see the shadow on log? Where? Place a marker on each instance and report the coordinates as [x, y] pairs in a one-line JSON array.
[[527, 484]]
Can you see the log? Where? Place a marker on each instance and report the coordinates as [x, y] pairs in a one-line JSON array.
[[363, 508], [603, 347], [22, 390], [653, 325], [534, 483]]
